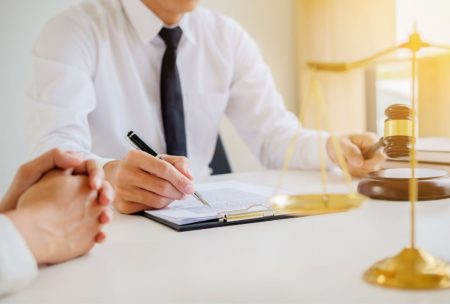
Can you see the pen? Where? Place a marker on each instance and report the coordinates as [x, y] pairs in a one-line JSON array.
[[141, 145]]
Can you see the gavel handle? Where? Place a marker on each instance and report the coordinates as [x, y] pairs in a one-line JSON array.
[[370, 152]]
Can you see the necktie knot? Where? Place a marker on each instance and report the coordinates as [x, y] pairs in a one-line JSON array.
[[171, 36]]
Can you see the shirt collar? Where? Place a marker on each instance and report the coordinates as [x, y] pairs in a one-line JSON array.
[[147, 24]]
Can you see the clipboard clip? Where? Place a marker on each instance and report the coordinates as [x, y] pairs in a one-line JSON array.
[[240, 215]]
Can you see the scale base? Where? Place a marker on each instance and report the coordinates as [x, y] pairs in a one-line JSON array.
[[411, 269], [393, 184]]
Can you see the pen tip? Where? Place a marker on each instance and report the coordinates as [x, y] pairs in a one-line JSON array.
[[130, 133]]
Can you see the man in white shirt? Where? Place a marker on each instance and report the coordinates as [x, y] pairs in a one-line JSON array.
[[169, 71], [35, 225]]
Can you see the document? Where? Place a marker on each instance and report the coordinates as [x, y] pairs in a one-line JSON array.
[[431, 150], [433, 144], [222, 196]]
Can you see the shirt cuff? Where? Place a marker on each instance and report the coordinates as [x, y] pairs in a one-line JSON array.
[[18, 266]]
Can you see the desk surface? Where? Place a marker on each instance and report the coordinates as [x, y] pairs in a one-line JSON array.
[[316, 259]]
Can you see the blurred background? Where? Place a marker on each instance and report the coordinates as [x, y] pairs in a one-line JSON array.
[[289, 33]]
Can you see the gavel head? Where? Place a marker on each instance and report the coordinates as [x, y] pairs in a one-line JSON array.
[[398, 132]]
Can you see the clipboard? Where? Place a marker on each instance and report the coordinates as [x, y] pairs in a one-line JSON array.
[[227, 219]]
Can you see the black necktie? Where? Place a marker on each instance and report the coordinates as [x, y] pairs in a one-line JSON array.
[[171, 95]]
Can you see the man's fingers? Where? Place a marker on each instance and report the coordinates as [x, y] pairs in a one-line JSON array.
[[129, 207], [162, 169], [106, 194], [145, 182], [181, 163], [364, 140], [168, 172], [352, 153], [63, 160], [31, 172], [155, 184], [353, 147], [55, 158], [68, 159], [94, 171], [100, 237], [137, 195], [105, 217], [375, 163]]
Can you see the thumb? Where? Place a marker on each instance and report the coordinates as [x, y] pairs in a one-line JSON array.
[[352, 153]]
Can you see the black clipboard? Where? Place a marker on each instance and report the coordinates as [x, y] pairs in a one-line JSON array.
[[213, 223]]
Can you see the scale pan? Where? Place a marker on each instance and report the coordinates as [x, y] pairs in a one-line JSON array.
[[314, 204]]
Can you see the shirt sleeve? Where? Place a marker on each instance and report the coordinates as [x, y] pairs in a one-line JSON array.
[[257, 111], [62, 92], [17, 264]]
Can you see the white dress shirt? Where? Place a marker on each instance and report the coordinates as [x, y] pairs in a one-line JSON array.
[[96, 77], [17, 264]]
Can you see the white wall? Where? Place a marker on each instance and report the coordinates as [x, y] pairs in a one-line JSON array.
[[20, 22], [270, 22]]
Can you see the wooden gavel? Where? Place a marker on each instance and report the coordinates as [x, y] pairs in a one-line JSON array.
[[394, 183], [398, 133]]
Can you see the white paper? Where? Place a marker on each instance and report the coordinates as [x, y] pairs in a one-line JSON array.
[[222, 196], [433, 144]]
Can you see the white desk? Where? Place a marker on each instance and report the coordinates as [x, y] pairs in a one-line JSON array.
[[304, 260]]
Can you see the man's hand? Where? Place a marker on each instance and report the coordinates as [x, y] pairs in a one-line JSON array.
[[61, 216], [143, 182], [353, 148], [30, 173]]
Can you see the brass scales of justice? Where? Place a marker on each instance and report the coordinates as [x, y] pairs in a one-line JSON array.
[[413, 267]]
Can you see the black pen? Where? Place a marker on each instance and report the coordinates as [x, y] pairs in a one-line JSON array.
[[141, 145]]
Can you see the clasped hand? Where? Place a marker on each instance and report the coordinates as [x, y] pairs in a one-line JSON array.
[[59, 203]]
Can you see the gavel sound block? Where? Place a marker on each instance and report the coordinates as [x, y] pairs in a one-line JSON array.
[[393, 184]]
